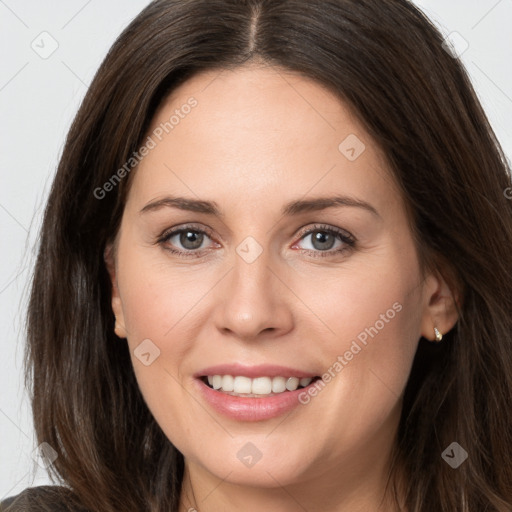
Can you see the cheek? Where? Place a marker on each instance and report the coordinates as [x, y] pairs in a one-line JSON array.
[[159, 300], [370, 322], [367, 354], [159, 314], [376, 305]]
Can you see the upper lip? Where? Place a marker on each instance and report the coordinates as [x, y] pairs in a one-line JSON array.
[[253, 371]]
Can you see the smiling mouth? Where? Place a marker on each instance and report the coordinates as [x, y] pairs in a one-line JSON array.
[[259, 387]]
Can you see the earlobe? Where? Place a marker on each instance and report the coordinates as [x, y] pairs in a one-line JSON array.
[[117, 305], [117, 308], [440, 313]]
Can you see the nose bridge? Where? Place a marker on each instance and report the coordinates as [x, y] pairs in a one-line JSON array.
[[254, 299], [251, 275]]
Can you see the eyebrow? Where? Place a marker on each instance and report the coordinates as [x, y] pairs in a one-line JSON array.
[[292, 208]]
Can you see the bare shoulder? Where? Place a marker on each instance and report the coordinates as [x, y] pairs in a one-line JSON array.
[[45, 498]]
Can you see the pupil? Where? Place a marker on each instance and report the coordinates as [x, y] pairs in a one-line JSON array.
[[321, 237], [191, 239]]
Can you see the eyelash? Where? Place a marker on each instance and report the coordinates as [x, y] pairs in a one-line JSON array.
[[344, 236]]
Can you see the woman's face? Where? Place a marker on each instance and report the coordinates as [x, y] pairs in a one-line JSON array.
[[295, 261]]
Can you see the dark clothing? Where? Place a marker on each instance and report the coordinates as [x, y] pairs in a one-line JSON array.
[[45, 498]]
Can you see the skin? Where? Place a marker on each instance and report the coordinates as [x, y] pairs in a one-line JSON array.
[[258, 138]]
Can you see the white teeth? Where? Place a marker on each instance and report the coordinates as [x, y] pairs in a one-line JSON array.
[[242, 385], [228, 383], [305, 381], [217, 381], [257, 386], [278, 384], [261, 386], [292, 383]]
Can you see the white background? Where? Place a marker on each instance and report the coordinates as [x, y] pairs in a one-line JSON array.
[[38, 99]]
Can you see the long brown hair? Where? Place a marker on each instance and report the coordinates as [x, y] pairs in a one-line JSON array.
[[387, 61]]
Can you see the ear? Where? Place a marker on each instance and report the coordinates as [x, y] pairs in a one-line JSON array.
[[117, 306], [440, 306]]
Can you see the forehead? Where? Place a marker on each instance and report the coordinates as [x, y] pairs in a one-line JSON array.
[[261, 133]]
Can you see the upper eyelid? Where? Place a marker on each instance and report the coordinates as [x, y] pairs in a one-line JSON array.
[[191, 227], [325, 227]]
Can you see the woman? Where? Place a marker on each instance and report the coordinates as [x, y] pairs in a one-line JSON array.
[[275, 271]]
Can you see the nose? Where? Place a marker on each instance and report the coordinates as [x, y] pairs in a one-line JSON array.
[[254, 301]]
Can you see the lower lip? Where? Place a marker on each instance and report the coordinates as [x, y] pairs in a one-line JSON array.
[[251, 409]]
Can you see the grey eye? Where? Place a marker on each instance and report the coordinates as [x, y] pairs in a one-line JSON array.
[[322, 240], [191, 239]]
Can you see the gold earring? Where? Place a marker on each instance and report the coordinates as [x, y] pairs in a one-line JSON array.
[[438, 335]]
